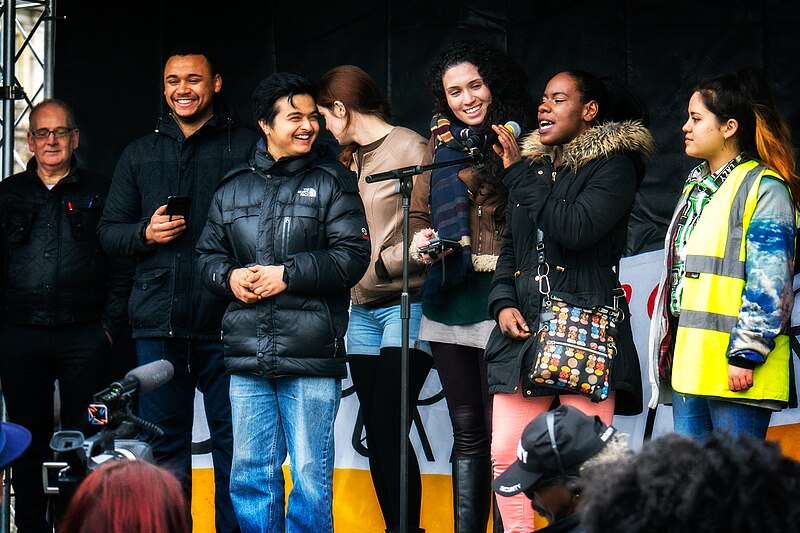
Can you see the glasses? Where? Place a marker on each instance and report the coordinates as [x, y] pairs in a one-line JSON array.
[[44, 133]]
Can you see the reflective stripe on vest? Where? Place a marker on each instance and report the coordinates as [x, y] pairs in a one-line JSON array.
[[712, 296]]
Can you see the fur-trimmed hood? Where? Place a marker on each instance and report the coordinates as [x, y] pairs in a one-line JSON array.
[[600, 141]]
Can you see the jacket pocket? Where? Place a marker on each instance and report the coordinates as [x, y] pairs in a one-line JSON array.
[[504, 356], [83, 222], [299, 230], [230, 215], [305, 325], [150, 299], [18, 221]]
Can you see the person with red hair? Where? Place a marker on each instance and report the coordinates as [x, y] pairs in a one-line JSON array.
[[128, 496]]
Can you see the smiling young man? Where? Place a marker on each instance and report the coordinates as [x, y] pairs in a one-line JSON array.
[[286, 239], [173, 316]]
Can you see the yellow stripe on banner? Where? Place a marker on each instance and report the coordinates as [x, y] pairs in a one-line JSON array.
[[355, 507], [788, 436], [203, 500]]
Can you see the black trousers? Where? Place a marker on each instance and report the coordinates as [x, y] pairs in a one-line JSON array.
[[377, 383], [32, 358], [462, 371]]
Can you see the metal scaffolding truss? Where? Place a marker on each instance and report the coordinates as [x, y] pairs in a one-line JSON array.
[[27, 45], [27, 35]]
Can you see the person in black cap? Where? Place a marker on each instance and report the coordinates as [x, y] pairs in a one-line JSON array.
[[553, 453]]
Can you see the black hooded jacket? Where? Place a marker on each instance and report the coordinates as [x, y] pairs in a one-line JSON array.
[[304, 213], [582, 209], [167, 298]]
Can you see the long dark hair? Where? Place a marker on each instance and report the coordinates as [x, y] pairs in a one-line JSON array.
[[506, 79], [762, 133], [359, 92]]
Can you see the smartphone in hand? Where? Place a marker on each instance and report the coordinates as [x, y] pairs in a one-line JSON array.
[[178, 206]]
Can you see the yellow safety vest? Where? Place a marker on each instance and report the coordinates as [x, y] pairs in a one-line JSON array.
[[712, 296]]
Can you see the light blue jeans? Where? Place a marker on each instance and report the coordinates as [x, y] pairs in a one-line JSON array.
[[697, 416], [270, 418], [372, 328]]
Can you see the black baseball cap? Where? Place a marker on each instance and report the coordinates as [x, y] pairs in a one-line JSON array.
[[579, 437], [14, 439]]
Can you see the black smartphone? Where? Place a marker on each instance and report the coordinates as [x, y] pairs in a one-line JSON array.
[[178, 206]]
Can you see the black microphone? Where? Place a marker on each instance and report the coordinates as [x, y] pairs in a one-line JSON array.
[[142, 379], [479, 140]]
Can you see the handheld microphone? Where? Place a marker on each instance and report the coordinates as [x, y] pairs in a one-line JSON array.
[[142, 379], [479, 140]]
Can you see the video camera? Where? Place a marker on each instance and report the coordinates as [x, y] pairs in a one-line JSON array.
[[76, 456]]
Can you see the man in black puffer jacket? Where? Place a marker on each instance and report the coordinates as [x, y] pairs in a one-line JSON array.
[[173, 316], [286, 239]]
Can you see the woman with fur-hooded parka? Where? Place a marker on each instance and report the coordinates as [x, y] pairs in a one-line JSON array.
[[571, 187], [582, 209]]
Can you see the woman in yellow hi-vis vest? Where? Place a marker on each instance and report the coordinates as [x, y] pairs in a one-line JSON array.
[[718, 339]]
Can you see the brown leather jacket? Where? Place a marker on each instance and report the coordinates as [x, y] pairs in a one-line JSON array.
[[383, 281], [487, 213]]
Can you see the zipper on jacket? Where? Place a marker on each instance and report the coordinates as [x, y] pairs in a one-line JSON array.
[[582, 348], [287, 224], [480, 229]]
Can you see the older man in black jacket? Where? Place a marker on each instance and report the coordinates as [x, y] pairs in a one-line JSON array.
[[285, 240], [173, 316], [63, 299]]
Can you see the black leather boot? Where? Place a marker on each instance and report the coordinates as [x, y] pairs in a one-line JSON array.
[[497, 520], [472, 489]]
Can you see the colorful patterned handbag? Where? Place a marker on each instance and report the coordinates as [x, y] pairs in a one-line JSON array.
[[575, 345], [575, 348]]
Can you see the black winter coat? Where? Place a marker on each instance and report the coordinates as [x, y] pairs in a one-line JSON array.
[[168, 299], [54, 271], [304, 213], [582, 209]]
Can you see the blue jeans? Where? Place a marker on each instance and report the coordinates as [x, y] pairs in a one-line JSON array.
[[270, 418], [371, 329], [198, 364], [697, 416]]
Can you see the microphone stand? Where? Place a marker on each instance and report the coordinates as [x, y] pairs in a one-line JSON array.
[[405, 175]]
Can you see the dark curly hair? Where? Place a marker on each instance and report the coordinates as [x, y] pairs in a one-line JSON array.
[[675, 484], [511, 98], [506, 79]]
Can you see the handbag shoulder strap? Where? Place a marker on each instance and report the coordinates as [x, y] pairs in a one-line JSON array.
[[544, 268]]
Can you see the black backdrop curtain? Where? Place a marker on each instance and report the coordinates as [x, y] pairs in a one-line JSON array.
[[109, 59]]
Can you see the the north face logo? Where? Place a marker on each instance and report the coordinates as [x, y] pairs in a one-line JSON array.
[[308, 192]]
